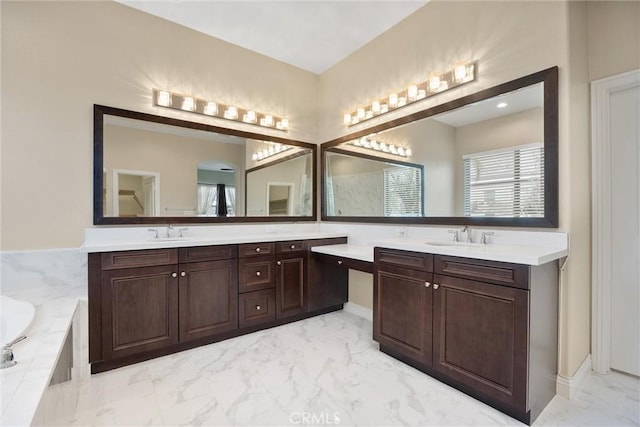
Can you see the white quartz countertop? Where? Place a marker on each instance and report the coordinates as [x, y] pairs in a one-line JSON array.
[[519, 254], [203, 240]]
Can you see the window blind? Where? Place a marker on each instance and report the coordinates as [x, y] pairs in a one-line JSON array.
[[505, 183], [402, 191]]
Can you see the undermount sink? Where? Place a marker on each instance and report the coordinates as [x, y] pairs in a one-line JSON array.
[[454, 244]]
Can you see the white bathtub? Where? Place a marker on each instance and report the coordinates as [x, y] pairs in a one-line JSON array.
[[15, 317]]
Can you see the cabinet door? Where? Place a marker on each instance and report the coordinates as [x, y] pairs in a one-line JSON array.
[[327, 283], [290, 295], [208, 298], [139, 310], [481, 338], [402, 320]]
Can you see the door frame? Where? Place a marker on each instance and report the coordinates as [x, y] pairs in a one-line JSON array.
[[155, 188], [601, 91]]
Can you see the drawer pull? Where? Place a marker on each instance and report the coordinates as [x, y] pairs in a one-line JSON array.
[[436, 286], [427, 284], [339, 262], [183, 274], [279, 262], [258, 308], [174, 274], [258, 273], [292, 246], [257, 249]]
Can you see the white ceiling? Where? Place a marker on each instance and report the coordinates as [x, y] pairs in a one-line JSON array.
[[312, 35]]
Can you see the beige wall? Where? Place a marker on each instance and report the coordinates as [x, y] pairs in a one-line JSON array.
[[60, 58], [613, 36]]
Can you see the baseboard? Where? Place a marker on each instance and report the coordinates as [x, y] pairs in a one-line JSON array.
[[358, 310], [570, 387]]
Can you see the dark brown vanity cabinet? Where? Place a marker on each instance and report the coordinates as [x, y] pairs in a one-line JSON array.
[[146, 302], [488, 328], [257, 283], [208, 291], [290, 278], [328, 277], [402, 304], [138, 304]]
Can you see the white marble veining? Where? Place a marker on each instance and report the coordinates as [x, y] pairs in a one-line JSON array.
[[24, 385], [34, 271], [118, 239], [324, 370]]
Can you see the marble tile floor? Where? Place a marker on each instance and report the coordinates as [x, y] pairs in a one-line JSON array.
[[321, 371]]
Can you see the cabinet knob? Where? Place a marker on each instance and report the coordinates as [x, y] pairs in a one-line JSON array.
[[292, 246], [339, 262], [183, 274], [258, 273], [257, 249], [258, 308], [436, 286], [279, 262], [427, 284], [174, 274]]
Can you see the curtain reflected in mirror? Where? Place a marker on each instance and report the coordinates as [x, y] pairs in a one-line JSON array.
[[154, 170]]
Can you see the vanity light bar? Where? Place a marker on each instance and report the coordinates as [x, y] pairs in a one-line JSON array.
[[176, 101], [271, 151], [372, 144], [436, 83]]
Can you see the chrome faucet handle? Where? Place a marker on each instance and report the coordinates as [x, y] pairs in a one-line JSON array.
[[181, 231], [17, 340], [483, 239], [6, 354], [455, 234], [154, 230]]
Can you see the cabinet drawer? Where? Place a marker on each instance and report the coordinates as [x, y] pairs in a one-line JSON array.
[[499, 273], [257, 307], [208, 253], [347, 263], [256, 249], [256, 273], [407, 259], [291, 246], [143, 258]]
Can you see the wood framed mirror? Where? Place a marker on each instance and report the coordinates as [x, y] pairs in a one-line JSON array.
[[489, 158], [150, 169]]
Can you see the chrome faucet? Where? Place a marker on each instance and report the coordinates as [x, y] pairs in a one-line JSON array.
[[6, 356], [467, 230], [483, 239], [169, 229]]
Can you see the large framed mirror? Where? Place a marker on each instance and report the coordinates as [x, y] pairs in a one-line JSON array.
[[151, 169], [490, 158]]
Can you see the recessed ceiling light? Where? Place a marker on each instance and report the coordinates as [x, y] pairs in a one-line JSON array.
[[502, 105]]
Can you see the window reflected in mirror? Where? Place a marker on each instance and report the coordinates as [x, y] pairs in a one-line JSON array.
[[484, 159]]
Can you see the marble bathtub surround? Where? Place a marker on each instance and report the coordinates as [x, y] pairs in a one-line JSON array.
[[25, 384]]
